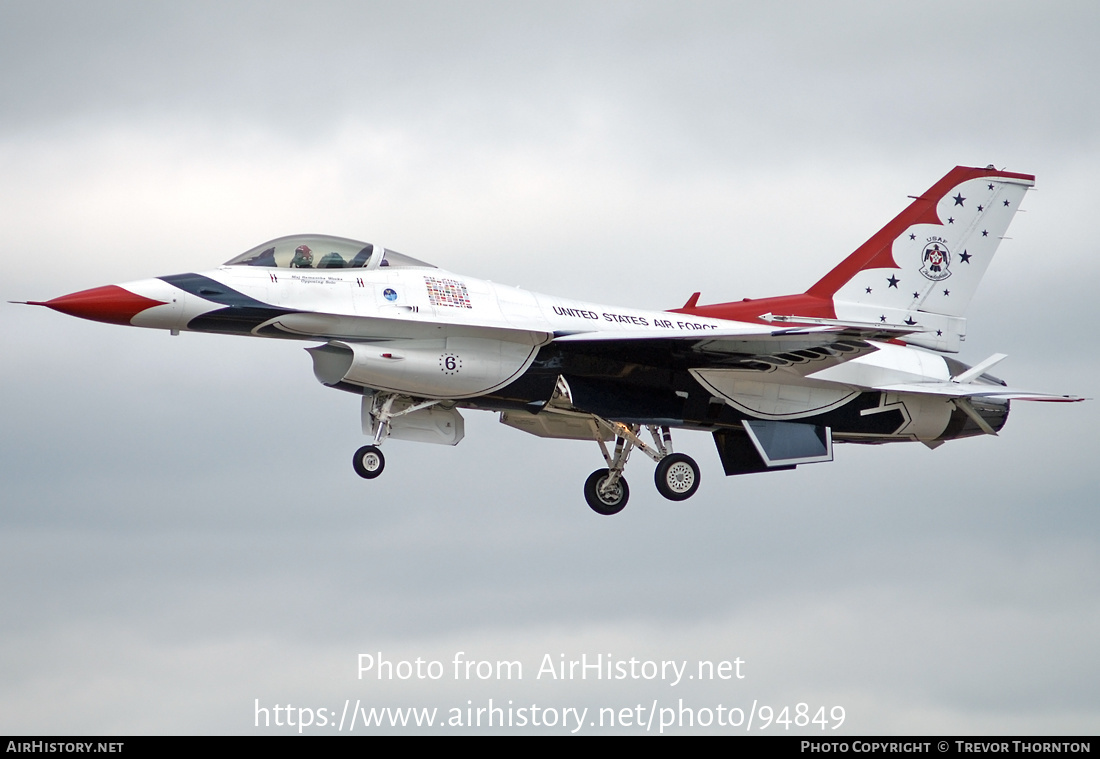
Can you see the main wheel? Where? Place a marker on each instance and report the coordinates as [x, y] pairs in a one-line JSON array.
[[605, 503], [677, 477], [368, 462]]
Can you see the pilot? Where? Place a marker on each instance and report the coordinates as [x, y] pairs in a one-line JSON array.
[[303, 258]]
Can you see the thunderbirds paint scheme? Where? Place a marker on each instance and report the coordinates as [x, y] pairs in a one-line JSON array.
[[857, 358]]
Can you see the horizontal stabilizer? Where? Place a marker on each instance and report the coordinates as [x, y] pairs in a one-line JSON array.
[[898, 370], [976, 390]]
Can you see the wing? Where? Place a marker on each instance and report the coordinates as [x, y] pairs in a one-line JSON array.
[[742, 346]]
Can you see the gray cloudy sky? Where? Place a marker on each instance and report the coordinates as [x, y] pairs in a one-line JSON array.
[[181, 532]]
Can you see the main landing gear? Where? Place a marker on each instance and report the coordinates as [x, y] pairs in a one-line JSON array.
[[677, 475]]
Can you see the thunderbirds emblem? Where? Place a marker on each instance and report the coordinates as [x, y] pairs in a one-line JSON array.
[[935, 260]]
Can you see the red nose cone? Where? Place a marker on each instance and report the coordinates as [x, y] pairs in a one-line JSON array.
[[109, 304]]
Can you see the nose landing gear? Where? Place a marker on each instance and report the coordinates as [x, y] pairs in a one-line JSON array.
[[378, 412]]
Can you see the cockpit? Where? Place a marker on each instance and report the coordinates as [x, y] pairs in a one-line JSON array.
[[323, 252]]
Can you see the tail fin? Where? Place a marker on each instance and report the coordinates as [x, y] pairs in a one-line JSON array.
[[924, 266]]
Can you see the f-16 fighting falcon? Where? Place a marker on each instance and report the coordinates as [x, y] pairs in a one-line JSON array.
[[860, 357]]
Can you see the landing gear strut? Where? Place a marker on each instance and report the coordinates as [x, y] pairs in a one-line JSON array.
[[606, 491]]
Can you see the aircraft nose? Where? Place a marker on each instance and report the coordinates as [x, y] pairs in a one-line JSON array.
[[111, 304]]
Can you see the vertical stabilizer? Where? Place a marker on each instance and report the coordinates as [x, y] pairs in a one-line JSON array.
[[923, 267]]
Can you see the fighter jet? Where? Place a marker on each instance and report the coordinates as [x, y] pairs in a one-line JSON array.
[[860, 357]]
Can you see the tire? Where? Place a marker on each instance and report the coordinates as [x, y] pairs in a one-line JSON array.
[[368, 462], [604, 505], [677, 477]]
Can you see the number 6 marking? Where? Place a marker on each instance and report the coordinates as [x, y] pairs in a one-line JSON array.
[[450, 363]]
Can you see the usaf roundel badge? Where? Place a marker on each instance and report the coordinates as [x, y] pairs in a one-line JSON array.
[[936, 260]]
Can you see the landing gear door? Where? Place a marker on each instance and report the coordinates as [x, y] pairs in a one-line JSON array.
[[434, 424]]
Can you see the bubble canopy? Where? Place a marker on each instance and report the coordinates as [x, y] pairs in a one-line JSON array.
[[322, 252]]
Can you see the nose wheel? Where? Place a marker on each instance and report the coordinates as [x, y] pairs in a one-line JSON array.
[[368, 462]]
